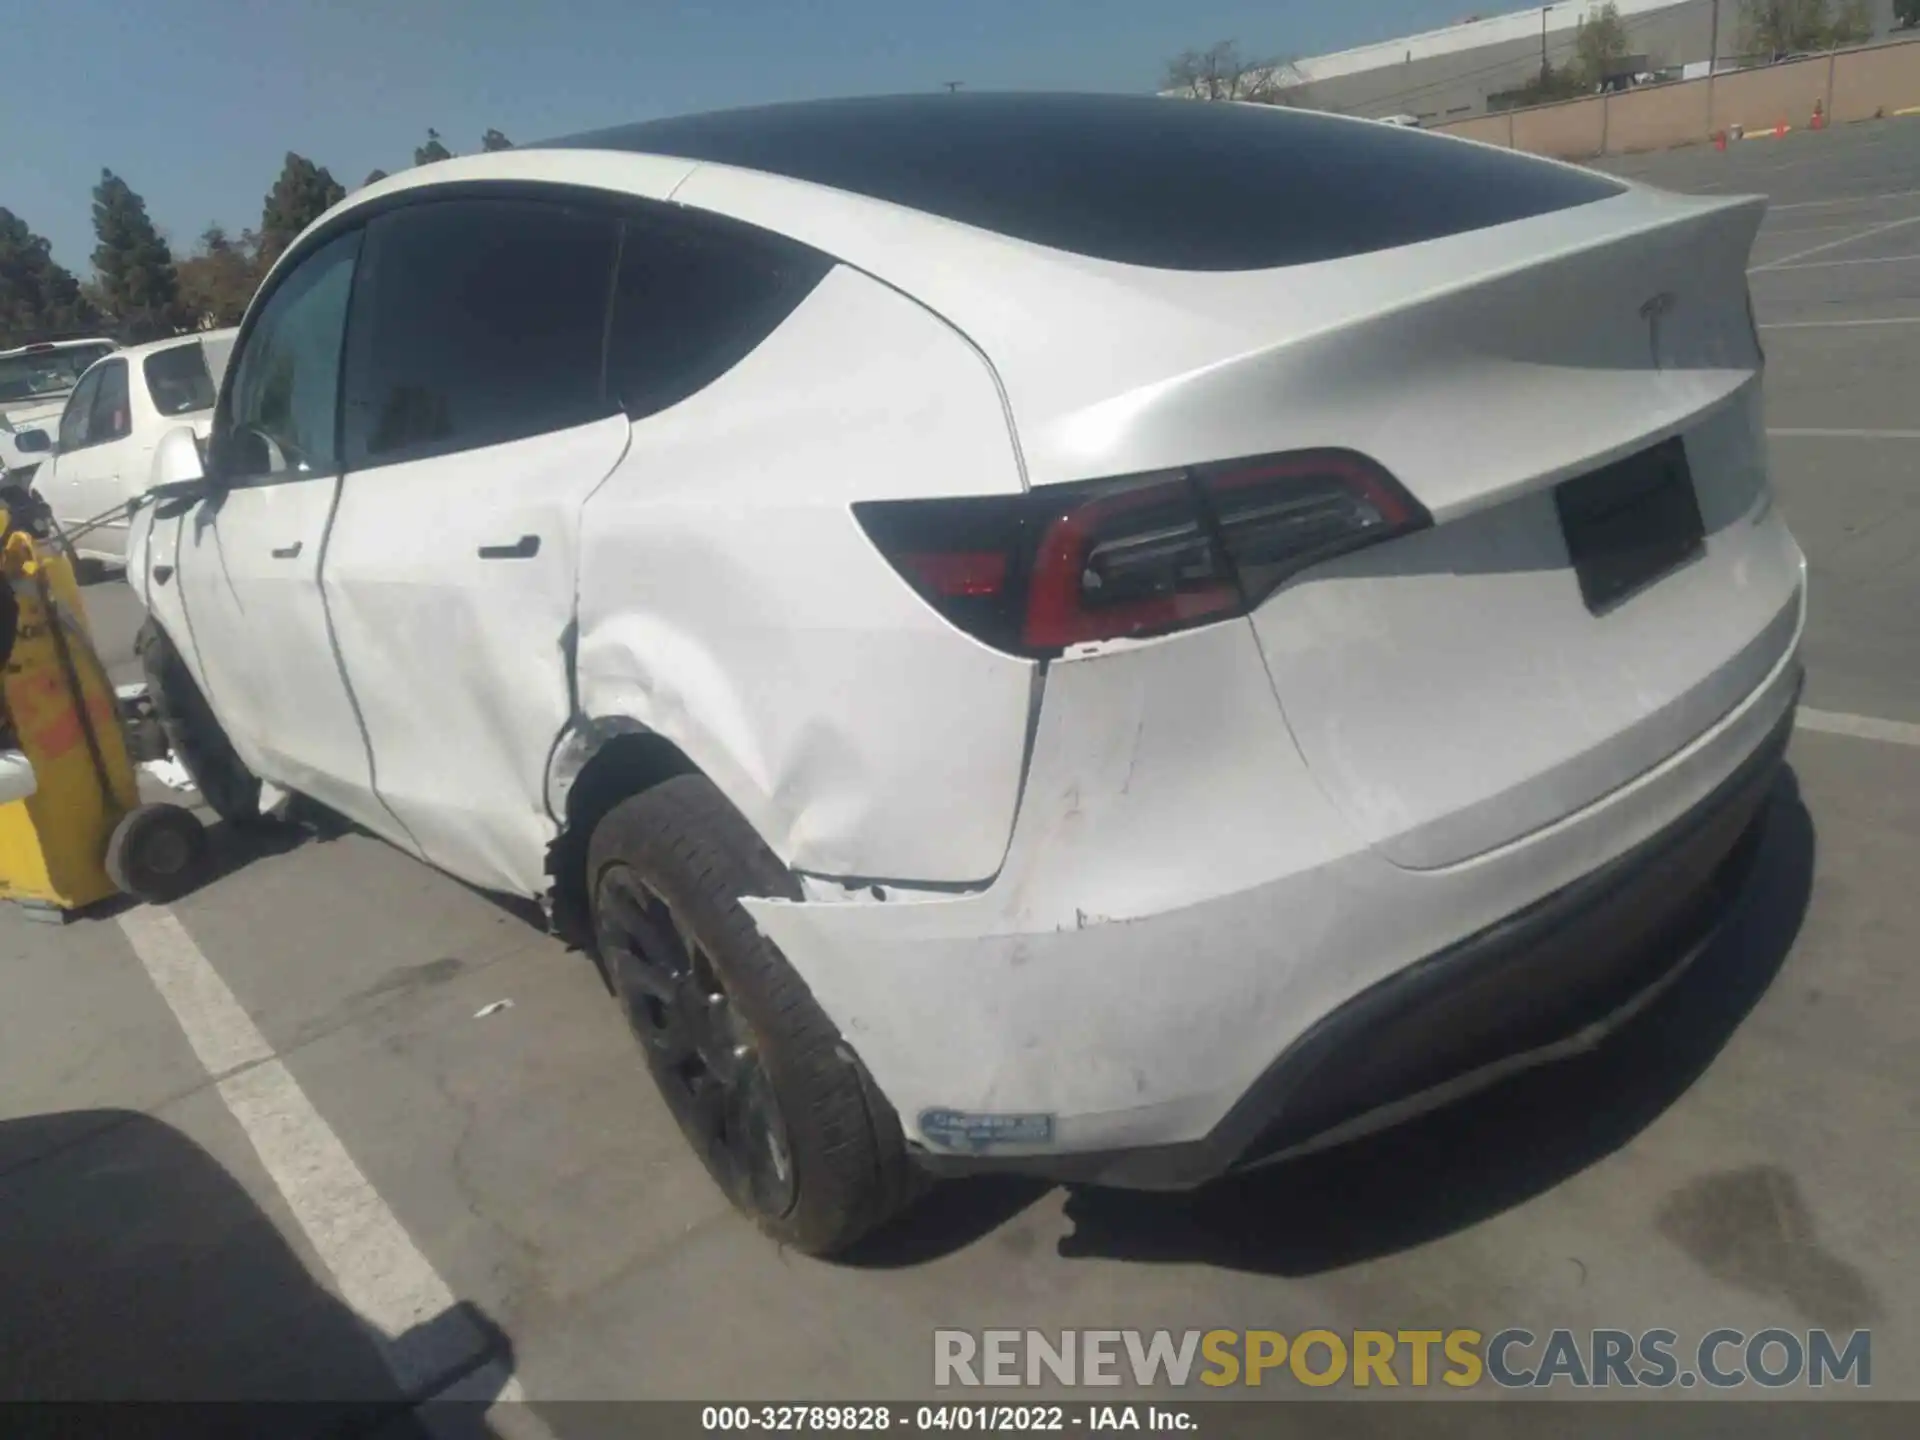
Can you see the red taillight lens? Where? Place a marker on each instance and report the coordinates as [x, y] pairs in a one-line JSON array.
[[1137, 559], [1067, 565], [964, 575]]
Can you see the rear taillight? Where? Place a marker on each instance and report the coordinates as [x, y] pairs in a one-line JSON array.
[[1067, 565]]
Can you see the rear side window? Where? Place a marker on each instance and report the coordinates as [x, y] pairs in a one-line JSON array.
[[475, 322], [691, 300], [178, 380], [110, 418], [1174, 184]]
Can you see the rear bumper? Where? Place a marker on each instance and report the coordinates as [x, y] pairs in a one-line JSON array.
[[1183, 913], [1550, 980]]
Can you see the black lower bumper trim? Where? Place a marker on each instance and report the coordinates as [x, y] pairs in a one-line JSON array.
[[1523, 985]]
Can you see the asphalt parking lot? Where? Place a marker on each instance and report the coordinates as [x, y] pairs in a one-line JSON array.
[[337, 1132]]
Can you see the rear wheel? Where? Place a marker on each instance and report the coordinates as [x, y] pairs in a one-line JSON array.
[[231, 790], [778, 1109]]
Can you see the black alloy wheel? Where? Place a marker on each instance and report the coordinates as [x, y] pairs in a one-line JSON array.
[[703, 1054]]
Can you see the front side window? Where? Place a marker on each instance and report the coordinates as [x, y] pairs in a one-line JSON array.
[[74, 420], [178, 380], [692, 300], [111, 418], [280, 415], [476, 322]]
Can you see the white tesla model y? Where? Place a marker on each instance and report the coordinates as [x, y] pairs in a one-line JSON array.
[[1110, 637]]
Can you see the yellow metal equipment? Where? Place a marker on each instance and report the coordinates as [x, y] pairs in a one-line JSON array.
[[72, 828]]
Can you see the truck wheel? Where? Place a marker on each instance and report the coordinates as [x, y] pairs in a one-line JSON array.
[[193, 734], [779, 1110]]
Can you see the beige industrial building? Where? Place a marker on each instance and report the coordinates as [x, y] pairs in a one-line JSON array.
[[1445, 75]]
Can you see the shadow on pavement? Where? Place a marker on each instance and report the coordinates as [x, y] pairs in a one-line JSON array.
[[951, 1217], [230, 849], [1459, 1166], [137, 1269]]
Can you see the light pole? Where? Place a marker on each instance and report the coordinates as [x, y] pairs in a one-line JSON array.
[[1544, 70]]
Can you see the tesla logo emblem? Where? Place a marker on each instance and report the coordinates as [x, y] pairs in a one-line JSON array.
[[1653, 312]]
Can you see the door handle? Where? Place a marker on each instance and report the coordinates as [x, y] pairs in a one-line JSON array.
[[287, 552], [525, 548]]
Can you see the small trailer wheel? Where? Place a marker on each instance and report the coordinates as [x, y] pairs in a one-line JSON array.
[[156, 852]]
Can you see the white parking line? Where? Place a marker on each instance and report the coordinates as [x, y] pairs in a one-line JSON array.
[[1835, 244], [1776, 233], [1835, 264], [1842, 200], [1805, 434], [1838, 324], [1861, 727], [378, 1269]]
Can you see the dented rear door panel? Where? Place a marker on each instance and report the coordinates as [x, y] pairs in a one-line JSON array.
[[450, 585]]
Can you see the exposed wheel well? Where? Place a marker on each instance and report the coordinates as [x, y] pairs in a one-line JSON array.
[[625, 765]]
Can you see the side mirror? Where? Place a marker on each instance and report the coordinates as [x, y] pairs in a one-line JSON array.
[[33, 442], [179, 473]]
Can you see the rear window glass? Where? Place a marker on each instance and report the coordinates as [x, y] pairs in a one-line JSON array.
[[1173, 184], [178, 380], [37, 373], [691, 301]]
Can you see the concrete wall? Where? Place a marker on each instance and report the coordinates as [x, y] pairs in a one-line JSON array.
[[1570, 132], [1849, 85], [1649, 119], [1494, 129], [1777, 95], [1870, 82]]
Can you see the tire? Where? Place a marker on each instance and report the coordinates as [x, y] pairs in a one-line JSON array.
[[666, 870], [156, 853], [231, 790]]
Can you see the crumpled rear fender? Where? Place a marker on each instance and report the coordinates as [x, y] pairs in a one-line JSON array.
[[730, 602]]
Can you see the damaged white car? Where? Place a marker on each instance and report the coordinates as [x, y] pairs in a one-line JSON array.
[[1024, 649]]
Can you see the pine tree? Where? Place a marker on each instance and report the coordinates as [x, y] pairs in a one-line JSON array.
[[134, 264], [494, 140], [303, 193], [38, 297], [431, 151], [373, 176]]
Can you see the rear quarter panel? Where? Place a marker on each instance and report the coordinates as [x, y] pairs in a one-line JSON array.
[[730, 602]]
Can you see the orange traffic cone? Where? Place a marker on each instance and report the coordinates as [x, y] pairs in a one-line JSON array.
[[1780, 130], [1819, 116], [1719, 139]]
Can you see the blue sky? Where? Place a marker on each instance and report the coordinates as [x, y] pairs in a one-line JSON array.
[[196, 102]]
